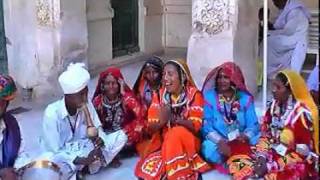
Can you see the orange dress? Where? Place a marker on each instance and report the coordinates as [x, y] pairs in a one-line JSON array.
[[173, 151]]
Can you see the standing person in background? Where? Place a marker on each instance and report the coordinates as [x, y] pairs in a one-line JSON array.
[[287, 43]]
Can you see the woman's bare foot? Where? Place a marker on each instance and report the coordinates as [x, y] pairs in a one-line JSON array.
[[115, 163]]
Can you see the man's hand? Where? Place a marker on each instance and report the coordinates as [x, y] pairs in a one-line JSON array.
[[86, 161], [95, 154], [98, 142], [8, 174]]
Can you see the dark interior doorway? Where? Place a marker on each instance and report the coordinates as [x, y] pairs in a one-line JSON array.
[[125, 27]]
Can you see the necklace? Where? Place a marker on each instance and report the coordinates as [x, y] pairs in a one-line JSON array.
[[279, 116], [73, 127]]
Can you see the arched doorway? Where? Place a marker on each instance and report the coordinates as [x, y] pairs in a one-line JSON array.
[[3, 49], [124, 27]]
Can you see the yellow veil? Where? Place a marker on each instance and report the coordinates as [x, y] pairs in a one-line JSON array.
[[182, 63], [301, 93]]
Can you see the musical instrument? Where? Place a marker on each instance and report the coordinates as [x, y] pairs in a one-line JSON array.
[[92, 133], [40, 170]]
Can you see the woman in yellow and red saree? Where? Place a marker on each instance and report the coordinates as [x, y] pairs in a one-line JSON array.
[[289, 143], [174, 121]]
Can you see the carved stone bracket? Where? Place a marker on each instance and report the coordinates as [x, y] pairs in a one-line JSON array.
[[210, 16], [48, 12]]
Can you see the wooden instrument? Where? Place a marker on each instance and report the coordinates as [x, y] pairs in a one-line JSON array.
[[39, 170]]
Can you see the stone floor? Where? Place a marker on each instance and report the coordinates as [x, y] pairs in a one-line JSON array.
[[30, 123]]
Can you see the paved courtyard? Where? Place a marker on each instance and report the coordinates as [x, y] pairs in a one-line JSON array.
[[30, 123]]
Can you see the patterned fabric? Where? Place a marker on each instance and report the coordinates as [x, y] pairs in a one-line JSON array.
[[7, 88], [300, 92], [298, 160], [11, 141], [128, 113], [114, 116], [232, 70], [173, 152], [144, 94]]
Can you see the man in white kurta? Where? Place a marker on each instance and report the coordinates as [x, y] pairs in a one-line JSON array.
[[287, 44], [64, 133]]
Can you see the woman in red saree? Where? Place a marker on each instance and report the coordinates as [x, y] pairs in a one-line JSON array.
[[147, 85], [117, 106], [290, 131], [174, 121]]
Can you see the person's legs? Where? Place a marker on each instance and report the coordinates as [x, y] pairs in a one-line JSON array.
[[210, 152], [180, 149], [114, 142]]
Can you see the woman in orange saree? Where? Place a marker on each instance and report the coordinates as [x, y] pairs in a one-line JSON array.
[[174, 121]]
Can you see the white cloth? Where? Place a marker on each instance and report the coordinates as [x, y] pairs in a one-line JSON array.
[[2, 128], [287, 45], [65, 147], [74, 79], [313, 79]]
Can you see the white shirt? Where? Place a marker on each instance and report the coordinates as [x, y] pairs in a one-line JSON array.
[[57, 135]]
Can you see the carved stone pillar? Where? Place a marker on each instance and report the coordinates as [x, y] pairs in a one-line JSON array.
[[217, 27], [45, 35]]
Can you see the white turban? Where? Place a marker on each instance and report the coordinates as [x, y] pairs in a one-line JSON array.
[[74, 79]]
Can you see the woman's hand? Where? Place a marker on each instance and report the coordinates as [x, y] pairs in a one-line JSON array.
[[185, 123], [224, 148], [243, 138], [260, 167], [165, 114], [122, 86]]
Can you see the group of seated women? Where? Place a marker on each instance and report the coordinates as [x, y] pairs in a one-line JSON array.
[[180, 132]]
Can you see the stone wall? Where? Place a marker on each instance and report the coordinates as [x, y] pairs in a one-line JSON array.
[[246, 41], [226, 30], [45, 36], [99, 17], [151, 26], [177, 23]]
